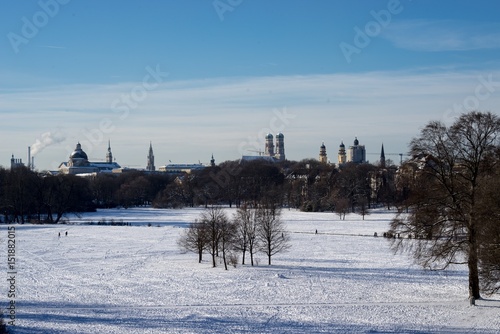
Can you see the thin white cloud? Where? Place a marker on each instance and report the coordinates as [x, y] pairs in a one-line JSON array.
[[443, 35], [52, 47]]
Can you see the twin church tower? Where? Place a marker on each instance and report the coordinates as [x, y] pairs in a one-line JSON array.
[[280, 146]]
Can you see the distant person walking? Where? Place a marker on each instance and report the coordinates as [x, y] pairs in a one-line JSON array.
[[66, 233]]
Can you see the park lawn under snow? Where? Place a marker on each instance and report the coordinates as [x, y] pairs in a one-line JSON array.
[[134, 279]]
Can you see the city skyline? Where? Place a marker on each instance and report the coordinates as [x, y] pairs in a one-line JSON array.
[[196, 78]]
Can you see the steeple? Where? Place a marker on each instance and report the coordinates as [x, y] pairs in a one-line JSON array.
[[269, 151], [322, 153], [212, 161], [151, 159], [280, 146], [342, 154], [382, 157], [109, 155]]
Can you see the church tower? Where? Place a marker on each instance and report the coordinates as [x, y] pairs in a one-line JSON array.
[[322, 154], [151, 159], [280, 146], [269, 151], [212, 161], [109, 155], [342, 154], [382, 157]]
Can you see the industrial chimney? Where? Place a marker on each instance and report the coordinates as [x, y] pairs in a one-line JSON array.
[[29, 157]]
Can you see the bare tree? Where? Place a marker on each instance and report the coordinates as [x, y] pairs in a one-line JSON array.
[[245, 232], [341, 206], [271, 233], [227, 235], [68, 193], [444, 201], [362, 207], [216, 222], [194, 239]]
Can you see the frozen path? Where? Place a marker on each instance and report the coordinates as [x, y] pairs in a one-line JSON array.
[[133, 279]]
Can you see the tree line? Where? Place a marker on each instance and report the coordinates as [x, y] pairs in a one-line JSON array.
[[28, 196]]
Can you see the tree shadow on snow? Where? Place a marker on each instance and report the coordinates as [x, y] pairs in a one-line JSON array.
[[70, 318], [410, 275]]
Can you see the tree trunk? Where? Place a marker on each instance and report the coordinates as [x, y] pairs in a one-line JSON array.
[[473, 279], [224, 258], [200, 255], [58, 217], [250, 250], [472, 264], [269, 257]]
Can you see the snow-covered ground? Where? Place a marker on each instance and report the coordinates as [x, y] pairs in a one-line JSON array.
[[134, 279]]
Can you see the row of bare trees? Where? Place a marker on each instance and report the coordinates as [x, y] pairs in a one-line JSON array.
[[251, 230], [26, 196], [308, 185]]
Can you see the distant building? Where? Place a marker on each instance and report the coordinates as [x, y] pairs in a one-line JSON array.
[[109, 155], [15, 163], [78, 163], [269, 150], [356, 153], [322, 154], [151, 159], [181, 168], [342, 155], [269, 153], [382, 157], [280, 147]]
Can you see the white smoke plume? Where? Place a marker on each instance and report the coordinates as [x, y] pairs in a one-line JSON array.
[[46, 139]]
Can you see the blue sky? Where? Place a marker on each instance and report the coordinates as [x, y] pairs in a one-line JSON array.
[[198, 77]]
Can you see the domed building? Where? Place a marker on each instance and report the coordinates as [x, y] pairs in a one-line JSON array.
[[79, 163], [356, 153], [78, 158]]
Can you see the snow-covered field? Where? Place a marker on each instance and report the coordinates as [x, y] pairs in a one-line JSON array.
[[134, 279]]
